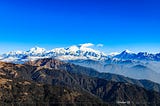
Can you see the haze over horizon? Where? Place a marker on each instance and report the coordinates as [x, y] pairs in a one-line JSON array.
[[118, 25]]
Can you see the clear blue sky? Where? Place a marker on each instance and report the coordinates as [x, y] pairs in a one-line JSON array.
[[118, 24]]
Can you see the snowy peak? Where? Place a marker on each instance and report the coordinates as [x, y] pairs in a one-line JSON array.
[[82, 51], [128, 55], [82, 47], [14, 52], [127, 52], [75, 52], [73, 48], [36, 50]]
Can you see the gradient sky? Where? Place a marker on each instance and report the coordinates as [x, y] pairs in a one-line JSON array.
[[117, 24]]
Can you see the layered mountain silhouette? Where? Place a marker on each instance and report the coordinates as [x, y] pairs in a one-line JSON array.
[[51, 81], [128, 68], [56, 64]]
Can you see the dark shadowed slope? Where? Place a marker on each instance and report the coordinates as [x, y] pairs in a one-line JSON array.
[[16, 90], [56, 64], [90, 87]]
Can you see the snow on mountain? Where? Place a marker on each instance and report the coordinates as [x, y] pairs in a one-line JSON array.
[[75, 52], [36, 50], [125, 55], [127, 52], [85, 55], [82, 51], [113, 54], [128, 55]]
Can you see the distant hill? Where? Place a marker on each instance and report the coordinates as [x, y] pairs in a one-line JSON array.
[[56, 64]]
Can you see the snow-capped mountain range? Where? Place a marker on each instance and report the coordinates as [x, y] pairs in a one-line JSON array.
[[140, 65], [138, 56], [75, 52]]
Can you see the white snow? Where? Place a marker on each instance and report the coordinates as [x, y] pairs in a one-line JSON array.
[[33, 58], [36, 50], [82, 51], [128, 51], [113, 53], [10, 59], [68, 57]]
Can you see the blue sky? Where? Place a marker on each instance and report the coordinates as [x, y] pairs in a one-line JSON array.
[[117, 24]]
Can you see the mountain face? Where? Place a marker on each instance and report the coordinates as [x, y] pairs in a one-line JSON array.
[[72, 53], [127, 55], [22, 85], [124, 63], [66, 86], [129, 68], [17, 89], [56, 64], [75, 52]]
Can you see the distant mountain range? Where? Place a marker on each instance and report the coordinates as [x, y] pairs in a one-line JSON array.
[[71, 53], [56, 64], [138, 56], [140, 65], [75, 52], [134, 69]]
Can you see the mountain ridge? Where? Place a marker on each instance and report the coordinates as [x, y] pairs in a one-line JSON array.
[[73, 52], [84, 55], [108, 91], [57, 64], [82, 51]]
